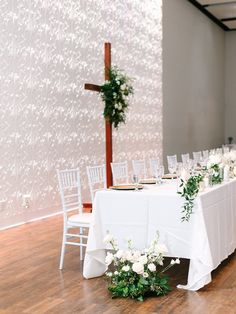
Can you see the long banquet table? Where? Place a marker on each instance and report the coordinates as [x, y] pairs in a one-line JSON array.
[[207, 239]]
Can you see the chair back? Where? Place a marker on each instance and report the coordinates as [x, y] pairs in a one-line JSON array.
[[205, 154], [119, 172], [154, 165], [70, 190], [172, 160], [197, 156], [96, 179], [185, 158], [139, 168]]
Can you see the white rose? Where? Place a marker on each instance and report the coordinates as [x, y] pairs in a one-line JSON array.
[[126, 268], [143, 259], [128, 256], [135, 256], [138, 268], [145, 275], [109, 258], [120, 254], [152, 267]]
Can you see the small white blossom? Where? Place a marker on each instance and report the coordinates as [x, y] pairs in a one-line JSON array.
[[152, 267], [109, 274], [126, 268], [143, 259], [145, 275], [138, 268], [120, 254], [116, 273]]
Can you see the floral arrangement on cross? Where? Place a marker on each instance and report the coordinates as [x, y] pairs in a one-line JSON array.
[[115, 93], [135, 274]]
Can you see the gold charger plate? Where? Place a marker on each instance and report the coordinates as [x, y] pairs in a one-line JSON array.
[[127, 187], [169, 176], [148, 181]]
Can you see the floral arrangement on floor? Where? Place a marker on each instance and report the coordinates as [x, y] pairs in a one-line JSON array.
[[135, 274], [190, 189], [115, 93]]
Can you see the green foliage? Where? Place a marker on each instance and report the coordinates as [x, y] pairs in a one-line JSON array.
[[135, 286], [115, 94], [215, 176], [189, 192]]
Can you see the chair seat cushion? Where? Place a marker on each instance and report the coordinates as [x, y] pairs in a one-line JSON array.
[[83, 218]]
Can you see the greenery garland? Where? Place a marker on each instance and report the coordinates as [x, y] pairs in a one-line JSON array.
[[115, 93], [190, 192]]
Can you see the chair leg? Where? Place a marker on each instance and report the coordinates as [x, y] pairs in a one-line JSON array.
[[81, 247], [63, 250]]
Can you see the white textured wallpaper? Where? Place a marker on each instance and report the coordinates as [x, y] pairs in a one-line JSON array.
[[48, 50]]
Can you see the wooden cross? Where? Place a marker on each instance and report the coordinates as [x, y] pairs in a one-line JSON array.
[[108, 126]]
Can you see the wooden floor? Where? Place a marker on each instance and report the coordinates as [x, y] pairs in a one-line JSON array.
[[30, 281]]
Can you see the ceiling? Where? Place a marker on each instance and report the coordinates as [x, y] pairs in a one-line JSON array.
[[222, 12]]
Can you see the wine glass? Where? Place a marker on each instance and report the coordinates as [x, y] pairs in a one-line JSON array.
[[135, 181]]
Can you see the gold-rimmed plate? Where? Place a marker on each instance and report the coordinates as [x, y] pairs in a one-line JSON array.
[[169, 176], [148, 181], [126, 187]]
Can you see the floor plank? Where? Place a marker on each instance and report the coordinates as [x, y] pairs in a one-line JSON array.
[[30, 282]]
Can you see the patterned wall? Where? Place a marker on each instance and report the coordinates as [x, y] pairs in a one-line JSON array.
[[48, 50]]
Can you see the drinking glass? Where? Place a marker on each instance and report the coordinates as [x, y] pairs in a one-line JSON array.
[[135, 181]]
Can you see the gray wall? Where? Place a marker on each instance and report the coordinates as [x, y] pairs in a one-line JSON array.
[[193, 80], [230, 85]]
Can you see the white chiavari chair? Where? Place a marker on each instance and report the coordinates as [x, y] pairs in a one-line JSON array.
[[119, 172], [197, 156], [185, 159], [154, 165], [96, 179], [70, 192], [139, 168]]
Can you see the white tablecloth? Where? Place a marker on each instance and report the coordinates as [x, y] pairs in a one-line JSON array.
[[207, 239]]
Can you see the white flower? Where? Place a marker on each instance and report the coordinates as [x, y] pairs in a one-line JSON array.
[[143, 259], [116, 273], [126, 268], [145, 275], [123, 87], [116, 106], [109, 274], [138, 268], [114, 94], [120, 107], [108, 238], [128, 256], [173, 262], [213, 160], [120, 254], [109, 258], [152, 267], [135, 256]]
